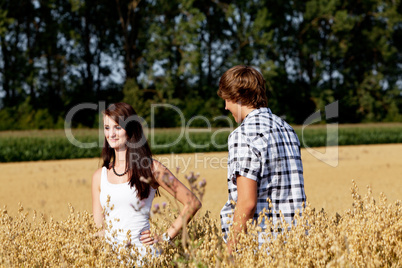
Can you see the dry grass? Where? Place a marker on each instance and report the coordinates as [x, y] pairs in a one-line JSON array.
[[368, 234], [367, 231], [48, 186]]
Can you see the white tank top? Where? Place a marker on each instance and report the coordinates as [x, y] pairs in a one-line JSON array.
[[125, 211]]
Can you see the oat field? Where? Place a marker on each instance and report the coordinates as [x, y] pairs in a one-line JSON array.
[[348, 223]]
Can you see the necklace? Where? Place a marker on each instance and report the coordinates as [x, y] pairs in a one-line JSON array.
[[117, 174]]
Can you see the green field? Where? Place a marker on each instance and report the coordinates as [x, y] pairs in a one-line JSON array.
[[53, 144]]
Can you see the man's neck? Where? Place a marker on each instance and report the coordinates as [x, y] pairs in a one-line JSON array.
[[245, 111]]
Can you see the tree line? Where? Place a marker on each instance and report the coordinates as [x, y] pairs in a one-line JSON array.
[[56, 54]]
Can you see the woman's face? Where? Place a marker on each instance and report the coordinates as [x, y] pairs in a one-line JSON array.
[[115, 135]]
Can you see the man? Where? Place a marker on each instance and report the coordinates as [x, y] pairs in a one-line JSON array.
[[264, 163]]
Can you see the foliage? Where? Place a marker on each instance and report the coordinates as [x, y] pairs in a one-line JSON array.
[[351, 136], [48, 144], [25, 117], [17, 148], [57, 54]]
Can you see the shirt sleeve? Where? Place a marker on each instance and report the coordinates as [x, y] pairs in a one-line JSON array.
[[244, 158]]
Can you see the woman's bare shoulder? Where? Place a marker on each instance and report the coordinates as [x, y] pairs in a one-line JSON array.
[[159, 167], [97, 174]]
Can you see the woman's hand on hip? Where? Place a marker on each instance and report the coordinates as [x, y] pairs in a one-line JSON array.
[[146, 238]]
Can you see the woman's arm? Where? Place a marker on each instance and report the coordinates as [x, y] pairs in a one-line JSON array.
[[97, 210], [180, 192]]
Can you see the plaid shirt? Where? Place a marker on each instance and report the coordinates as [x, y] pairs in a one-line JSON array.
[[266, 149]]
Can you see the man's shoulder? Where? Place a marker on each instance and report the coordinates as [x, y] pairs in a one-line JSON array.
[[263, 128], [236, 134], [248, 135], [267, 122], [260, 122]]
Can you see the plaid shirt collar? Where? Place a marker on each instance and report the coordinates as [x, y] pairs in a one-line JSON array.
[[257, 111]]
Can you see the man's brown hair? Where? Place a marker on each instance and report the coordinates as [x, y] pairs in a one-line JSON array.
[[245, 85]]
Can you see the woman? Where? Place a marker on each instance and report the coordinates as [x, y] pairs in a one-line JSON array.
[[124, 188]]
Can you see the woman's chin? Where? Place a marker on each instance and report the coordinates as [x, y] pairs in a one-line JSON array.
[[118, 146]]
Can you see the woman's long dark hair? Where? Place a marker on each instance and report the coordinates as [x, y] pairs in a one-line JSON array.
[[138, 155]]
